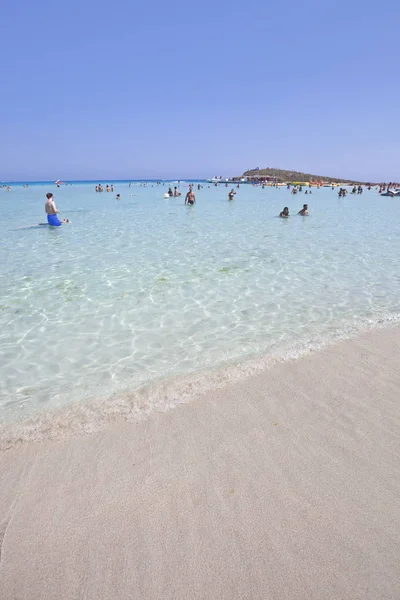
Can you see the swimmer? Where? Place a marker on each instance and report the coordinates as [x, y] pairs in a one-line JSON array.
[[190, 197], [285, 213], [52, 212], [231, 194], [118, 197], [304, 210], [176, 192], [107, 188], [170, 192]]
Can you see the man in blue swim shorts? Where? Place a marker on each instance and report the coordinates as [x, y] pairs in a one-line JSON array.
[[52, 212]]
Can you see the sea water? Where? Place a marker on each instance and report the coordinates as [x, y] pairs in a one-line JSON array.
[[146, 289]]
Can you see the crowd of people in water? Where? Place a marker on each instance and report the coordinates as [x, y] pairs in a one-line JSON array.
[[190, 198], [109, 188], [387, 186], [296, 189], [390, 189]]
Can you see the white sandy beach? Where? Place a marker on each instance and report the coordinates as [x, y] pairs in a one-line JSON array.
[[284, 486]]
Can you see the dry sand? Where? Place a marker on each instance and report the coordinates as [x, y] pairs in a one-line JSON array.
[[286, 486]]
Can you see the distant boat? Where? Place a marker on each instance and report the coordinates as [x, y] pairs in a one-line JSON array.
[[231, 181], [391, 193], [58, 182]]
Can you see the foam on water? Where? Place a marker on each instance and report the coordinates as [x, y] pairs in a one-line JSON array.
[[78, 418], [147, 290]]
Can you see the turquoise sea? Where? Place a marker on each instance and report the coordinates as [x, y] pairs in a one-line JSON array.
[[143, 291]]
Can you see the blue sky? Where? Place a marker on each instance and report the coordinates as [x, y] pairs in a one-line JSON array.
[[178, 89]]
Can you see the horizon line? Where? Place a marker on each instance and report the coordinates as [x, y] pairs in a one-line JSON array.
[[102, 180]]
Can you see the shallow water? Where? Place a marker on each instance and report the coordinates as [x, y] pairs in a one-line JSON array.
[[146, 288]]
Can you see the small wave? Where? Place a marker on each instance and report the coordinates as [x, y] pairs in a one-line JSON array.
[[85, 417]]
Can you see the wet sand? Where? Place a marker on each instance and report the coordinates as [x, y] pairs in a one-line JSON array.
[[283, 486]]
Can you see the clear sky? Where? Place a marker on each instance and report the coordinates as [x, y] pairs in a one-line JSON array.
[[123, 89]]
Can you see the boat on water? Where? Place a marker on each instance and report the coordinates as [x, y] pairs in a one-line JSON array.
[[391, 193], [250, 179], [218, 180]]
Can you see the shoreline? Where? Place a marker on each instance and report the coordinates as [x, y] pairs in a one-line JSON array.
[[282, 485], [91, 413]]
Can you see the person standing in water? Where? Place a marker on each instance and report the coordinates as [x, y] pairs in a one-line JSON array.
[[52, 212], [304, 210], [190, 197]]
